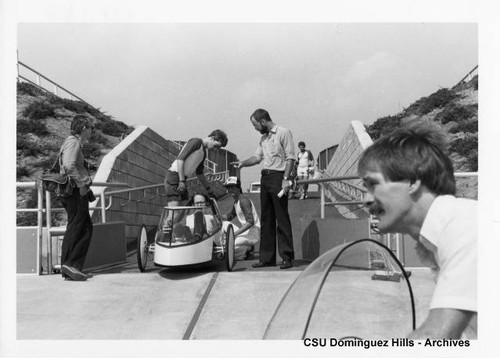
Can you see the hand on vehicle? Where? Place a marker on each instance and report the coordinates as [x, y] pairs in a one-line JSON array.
[[181, 187]]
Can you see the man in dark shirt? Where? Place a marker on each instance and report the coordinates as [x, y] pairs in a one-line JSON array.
[[190, 161]]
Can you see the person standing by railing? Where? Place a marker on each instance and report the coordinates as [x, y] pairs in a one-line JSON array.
[[79, 229], [305, 167]]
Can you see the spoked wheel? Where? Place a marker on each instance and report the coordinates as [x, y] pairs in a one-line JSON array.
[[142, 248], [229, 248]]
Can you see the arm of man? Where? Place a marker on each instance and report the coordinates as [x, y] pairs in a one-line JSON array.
[[287, 144], [311, 159], [203, 179], [443, 323], [246, 207], [253, 160]]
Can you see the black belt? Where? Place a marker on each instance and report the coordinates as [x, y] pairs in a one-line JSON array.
[[270, 171]]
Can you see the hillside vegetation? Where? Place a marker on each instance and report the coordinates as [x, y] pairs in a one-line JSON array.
[[43, 122], [456, 109]]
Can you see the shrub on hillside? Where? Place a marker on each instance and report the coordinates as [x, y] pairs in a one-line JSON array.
[[383, 126], [472, 161], [113, 128], [98, 138], [22, 171], [73, 106], [39, 110], [436, 100], [457, 113], [464, 146], [27, 147], [29, 89], [91, 150], [465, 127], [34, 126], [474, 82]]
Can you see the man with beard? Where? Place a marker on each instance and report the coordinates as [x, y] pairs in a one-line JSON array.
[[276, 152], [411, 189]]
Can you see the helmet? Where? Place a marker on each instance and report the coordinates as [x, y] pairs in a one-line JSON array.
[[233, 181]]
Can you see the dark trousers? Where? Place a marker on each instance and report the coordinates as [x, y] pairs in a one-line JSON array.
[[78, 234], [275, 220]]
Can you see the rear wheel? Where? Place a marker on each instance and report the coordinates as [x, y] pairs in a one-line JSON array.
[[229, 248], [142, 248]]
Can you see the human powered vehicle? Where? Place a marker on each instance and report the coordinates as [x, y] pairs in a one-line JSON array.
[[187, 236]]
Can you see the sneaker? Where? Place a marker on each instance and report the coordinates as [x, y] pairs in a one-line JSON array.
[[73, 273]]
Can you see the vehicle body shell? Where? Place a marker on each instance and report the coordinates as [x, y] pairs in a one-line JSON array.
[[188, 235]]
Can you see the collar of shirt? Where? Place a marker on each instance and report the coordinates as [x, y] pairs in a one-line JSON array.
[[273, 130]]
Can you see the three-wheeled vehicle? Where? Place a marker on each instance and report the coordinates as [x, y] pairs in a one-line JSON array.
[[187, 236]]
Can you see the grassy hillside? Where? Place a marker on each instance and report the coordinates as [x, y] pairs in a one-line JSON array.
[[457, 110], [43, 122]]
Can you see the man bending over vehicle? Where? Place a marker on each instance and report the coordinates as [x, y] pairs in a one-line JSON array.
[[190, 161]]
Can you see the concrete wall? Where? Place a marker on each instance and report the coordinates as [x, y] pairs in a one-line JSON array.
[[141, 159], [344, 163]]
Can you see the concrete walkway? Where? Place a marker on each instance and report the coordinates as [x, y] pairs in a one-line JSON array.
[[123, 303], [196, 304]]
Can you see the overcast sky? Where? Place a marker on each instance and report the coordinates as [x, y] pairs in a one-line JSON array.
[[184, 80]]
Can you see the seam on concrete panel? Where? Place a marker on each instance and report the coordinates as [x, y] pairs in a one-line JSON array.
[[201, 305]]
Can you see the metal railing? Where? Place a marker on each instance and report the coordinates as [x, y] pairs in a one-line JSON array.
[[391, 240], [468, 76], [56, 88], [48, 210]]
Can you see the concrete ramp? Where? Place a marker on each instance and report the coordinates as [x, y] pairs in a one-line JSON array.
[[203, 304], [123, 303]]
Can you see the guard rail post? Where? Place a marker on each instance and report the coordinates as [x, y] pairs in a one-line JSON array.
[[39, 231]]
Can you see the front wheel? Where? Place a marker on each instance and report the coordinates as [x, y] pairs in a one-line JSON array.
[[229, 248], [142, 248]]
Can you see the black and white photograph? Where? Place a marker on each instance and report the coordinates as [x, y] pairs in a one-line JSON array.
[[275, 179]]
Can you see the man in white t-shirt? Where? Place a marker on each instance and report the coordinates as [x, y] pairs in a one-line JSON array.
[[411, 190], [305, 167]]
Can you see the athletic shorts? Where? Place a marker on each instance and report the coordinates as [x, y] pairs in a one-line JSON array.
[[171, 185]]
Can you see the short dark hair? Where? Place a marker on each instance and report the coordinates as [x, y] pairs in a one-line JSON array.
[[416, 151], [261, 114], [302, 144], [79, 123], [219, 136], [191, 200]]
